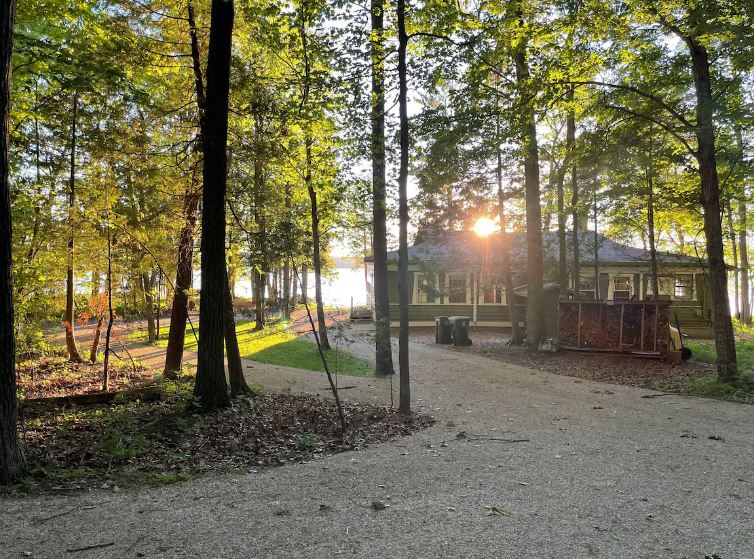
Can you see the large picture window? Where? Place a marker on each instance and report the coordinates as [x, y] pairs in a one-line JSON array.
[[425, 289], [457, 288], [684, 286]]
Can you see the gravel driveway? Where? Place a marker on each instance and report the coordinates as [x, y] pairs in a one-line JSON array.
[[603, 472]]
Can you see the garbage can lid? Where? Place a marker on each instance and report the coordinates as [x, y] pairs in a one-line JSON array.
[[453, 318], [441, 318]]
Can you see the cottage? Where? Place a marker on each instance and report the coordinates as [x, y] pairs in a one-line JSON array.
[[458, 273]]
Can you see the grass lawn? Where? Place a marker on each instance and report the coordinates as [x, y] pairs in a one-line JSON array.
[[277, 346], [741, 390]]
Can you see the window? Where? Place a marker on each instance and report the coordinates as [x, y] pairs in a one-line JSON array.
[[493, 295], [684, 286], [456, 288], [586, 287], [621, 288], [665, 284], [425, 291]]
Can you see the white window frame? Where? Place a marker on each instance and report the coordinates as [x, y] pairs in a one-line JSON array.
[[631, 289], [660, 279], [675, 287], [417, 293], [583, 291], [468, 298]]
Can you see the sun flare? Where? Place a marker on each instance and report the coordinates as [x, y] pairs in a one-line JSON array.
[[484, 227]]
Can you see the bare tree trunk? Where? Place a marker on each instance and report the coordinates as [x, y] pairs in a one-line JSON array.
[[294, 291], [317, 258], [570, 145], [651, 222], [109, 280], [179, 312], [211, 387], [238, 384], [534, 257], [12, 462], [95, 341], [304, 281], [597, 294], [562, 248], [287, 289], [184, 272], [403, 289], [70, 334], [147, 284], [734, 249], [383, 349], [260, 280], [744, 251], [725, 345], [510, 294]]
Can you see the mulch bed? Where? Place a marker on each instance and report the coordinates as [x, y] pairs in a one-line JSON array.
[[56, 376], [167, 441], [602, 367]]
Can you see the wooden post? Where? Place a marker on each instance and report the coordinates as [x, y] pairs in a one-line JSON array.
[[641, 330], [620, 336], [657, 312], [578, 329]]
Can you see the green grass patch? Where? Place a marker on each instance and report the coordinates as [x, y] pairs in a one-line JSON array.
[[276, 345], [705, 351], [741, 390]]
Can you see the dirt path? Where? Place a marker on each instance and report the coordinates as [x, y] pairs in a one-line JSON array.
[[604, 472]]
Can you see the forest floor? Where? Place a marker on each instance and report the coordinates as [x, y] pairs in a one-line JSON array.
[[694, 377], [520, 463]]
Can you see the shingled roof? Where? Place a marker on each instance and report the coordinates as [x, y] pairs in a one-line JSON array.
[[467, 246]]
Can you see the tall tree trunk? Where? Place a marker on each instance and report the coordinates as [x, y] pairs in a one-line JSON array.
[[95, 340], [184, 272], [651, 222], [69, 320], [287, 289], [147, 285], [294, 291], [260, 279], [725, 345], [562, 248], [183, 277], [211, 387], [570, 146], [734, 249], [12, 463], [304, 281], [259, 253], [383, 350], [403, 288], [597, 294], [317, 257], [510, 294], [238, 384], [744, 251], [534, 257]]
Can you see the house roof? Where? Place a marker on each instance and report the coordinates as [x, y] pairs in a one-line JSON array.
[[467, 246]]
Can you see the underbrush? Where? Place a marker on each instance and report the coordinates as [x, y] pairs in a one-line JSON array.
[[169, 440]]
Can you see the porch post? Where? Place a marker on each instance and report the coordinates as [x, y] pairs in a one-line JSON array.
[[474, 295]]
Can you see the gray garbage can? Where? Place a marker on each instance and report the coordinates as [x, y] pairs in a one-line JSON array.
[[460, 329], [442, 330]]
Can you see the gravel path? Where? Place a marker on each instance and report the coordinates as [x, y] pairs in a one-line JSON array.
[[604, 473]]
